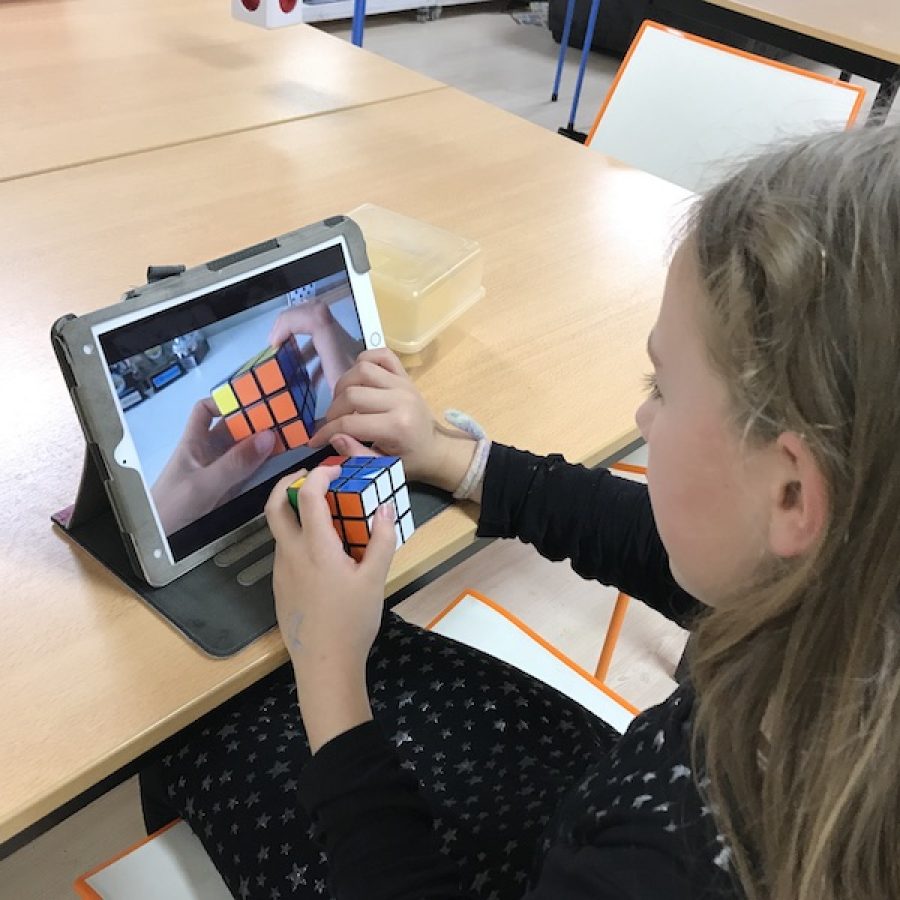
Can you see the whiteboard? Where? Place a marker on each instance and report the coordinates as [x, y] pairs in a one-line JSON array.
[[171, 866], [689, 110], [473, 622]]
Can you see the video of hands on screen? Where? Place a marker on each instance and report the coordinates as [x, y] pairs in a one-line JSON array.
[[220, 410]]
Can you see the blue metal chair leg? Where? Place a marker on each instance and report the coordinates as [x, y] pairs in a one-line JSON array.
[[359, 18], [563, 47], [585, 51]]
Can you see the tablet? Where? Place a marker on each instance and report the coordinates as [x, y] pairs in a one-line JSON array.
[[190, 412]]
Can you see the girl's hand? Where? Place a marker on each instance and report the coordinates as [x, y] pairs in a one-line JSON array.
[[329, 607], [377, 402]]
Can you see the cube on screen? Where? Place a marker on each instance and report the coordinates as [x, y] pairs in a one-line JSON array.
[[270, 391]]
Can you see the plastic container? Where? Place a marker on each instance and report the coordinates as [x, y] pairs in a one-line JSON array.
[[423, 277]]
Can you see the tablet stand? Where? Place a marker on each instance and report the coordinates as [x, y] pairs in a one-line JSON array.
[[212, 605]]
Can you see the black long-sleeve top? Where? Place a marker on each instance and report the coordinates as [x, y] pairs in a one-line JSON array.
[[635, 827]]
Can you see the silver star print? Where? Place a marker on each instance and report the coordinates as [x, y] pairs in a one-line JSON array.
[[296, 876], [401, 737]]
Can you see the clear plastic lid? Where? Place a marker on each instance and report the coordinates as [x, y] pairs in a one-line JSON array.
[[424, 277]]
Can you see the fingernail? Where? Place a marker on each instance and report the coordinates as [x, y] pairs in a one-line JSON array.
[[339, 442], [388, 510]]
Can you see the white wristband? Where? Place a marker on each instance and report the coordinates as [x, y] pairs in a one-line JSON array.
[[475, 473]]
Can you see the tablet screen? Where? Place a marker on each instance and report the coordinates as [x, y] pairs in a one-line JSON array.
[[220, 391]]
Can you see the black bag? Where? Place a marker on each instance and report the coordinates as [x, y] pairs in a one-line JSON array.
[[617, 23]]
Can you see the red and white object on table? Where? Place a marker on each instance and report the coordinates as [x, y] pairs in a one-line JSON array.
[[268, 13]]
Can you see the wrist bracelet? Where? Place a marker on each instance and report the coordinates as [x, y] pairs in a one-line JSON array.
[[475, 473]]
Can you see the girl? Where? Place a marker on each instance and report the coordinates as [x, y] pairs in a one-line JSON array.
[[769, 521]]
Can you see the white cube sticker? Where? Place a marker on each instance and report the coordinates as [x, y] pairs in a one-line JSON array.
[[369, 500], [401, 499]]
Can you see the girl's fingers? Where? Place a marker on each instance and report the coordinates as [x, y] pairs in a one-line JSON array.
[[314, 512], [348, 446], [374, 427], [279, 513], [362, 400], [382, 544], [364, 373], [384, 358]]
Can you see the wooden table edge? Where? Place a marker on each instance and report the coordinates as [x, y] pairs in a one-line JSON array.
[[197, 139]]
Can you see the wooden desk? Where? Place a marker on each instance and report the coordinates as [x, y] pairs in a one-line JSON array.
[[871, 27], [82, 80], [551, 358], [860, 38]]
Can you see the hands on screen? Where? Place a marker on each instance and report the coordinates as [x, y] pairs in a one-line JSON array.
[[207, 468], [335, 348]]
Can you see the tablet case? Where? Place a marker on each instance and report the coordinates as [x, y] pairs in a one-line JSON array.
[[206, 603]]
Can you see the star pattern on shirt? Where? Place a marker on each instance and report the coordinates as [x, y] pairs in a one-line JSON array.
[[492, 750]]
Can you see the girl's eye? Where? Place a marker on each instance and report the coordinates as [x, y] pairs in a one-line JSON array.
[[651, 386]]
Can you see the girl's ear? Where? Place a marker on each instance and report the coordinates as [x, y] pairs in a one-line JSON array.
[[799, 509]]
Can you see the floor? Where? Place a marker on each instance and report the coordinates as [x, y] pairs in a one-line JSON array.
[[482, 50]]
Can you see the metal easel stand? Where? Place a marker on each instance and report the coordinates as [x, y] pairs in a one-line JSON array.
[[569, 130]]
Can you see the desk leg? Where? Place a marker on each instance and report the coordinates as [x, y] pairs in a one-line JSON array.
[[885, 98]]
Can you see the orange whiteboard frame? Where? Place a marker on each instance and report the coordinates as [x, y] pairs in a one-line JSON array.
[[86, 892], [648, 24], [541, 641]]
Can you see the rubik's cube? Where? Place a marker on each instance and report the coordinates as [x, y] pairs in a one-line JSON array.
[[272, 390], [364, 484]]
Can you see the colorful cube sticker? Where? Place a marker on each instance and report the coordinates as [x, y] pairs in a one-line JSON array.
[[270, 391], [365, 482]]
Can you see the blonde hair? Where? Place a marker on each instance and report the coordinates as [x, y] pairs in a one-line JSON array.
[[799, 254]]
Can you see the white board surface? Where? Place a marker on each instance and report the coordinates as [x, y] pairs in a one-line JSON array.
[[475, 623], [172, 866], [688, 111]]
